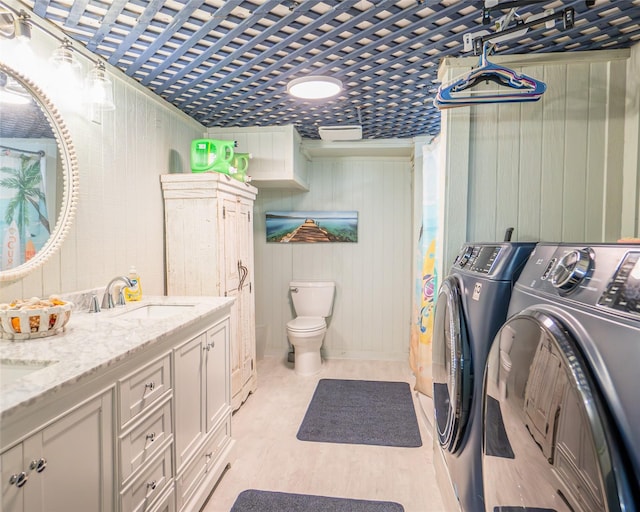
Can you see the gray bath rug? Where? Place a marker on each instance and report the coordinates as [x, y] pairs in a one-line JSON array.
[[268, 501], [361, 412], [496, 440]]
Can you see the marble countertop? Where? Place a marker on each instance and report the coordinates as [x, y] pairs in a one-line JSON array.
[[91, 341]]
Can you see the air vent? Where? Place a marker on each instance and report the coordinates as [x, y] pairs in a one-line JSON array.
[[332, 133]]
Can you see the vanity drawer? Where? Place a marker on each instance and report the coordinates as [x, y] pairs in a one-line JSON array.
[[145, 490], [142, 388], [206, 460], [145, 439], [166, 504]]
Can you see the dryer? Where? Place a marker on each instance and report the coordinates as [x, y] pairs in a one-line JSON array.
[[561, 418], [471, 306]]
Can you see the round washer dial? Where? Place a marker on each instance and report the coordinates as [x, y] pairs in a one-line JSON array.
[[571, 269]]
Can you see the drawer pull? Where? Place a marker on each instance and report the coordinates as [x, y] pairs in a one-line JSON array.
[[19, 480], [150, 386], [151, 437], [39, 465], [209, 455], [152, 485]]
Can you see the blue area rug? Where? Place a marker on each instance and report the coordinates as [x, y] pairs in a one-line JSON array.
[[361, 412], [267, 501]]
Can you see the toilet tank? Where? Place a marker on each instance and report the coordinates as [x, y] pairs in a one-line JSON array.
[[312, 298]]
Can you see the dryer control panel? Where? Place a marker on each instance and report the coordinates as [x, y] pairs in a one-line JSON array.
[[478, 258], [485, 258], [623, 291]]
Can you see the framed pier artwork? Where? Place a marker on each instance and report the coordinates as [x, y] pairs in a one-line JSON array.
[[312, 226]]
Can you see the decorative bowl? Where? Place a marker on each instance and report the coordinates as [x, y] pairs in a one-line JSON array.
[[34, 318]]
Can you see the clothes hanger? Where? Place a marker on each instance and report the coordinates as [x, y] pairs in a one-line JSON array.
[[514, 87]]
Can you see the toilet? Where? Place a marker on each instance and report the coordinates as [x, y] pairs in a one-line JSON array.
[[313, 302]]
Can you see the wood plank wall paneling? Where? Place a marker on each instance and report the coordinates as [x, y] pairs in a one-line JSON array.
[[119, 219], [631, 188], [552, 169], [372, 310]]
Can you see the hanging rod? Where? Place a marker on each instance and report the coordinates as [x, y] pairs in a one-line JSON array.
[[567, 16], [40, 153], [486, 11]]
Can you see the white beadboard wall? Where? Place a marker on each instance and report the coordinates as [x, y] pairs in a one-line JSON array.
[[552, 169], [119, 219], [371, 315]]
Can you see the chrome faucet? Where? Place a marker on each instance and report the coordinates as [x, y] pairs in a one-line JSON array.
[[107, 299]]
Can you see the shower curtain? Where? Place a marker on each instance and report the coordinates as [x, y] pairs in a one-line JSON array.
[[425, 275], [24, 223]]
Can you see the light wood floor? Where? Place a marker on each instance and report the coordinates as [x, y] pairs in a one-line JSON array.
[[268, 456]]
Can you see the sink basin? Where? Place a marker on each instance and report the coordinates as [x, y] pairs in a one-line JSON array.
[[156, 311], [10, 371]]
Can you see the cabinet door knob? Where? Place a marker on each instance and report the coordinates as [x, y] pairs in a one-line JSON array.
[[19, 480], [39, 465], [150, 386], [151, 485], [151, 437]]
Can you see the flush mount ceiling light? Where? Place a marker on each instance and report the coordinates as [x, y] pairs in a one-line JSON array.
[[314, 87]]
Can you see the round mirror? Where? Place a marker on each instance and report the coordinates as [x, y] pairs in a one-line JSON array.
[[38, 176]]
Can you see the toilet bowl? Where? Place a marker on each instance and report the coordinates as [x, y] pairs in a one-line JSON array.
[[313, 302]]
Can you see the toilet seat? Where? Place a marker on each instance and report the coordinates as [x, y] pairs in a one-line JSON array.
[[306, 324]]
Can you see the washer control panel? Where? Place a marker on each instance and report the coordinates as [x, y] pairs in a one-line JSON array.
[[623, 291], [571, 269]]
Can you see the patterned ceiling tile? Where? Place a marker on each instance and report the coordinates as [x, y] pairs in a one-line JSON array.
[[228, 62]]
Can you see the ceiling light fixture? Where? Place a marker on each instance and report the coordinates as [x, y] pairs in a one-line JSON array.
[[314, 87]]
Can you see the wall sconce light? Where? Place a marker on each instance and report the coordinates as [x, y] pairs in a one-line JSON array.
[[11, 92], [64, 59], [314, 87], [23, 27], [100, 88]]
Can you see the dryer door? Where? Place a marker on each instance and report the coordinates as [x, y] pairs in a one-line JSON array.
[[548, 444], [452, 378]]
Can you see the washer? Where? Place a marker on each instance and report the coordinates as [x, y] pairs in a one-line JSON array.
[[471, 306], [561, 417]]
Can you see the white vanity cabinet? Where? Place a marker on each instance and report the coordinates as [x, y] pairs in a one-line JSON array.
[[203, 414], [209, 251], [66, 465], [145, 430]]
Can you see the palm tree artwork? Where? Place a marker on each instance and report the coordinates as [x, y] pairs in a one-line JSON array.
[[24, 184]]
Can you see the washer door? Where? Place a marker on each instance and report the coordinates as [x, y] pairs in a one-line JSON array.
[[452, 377], [548, 442]]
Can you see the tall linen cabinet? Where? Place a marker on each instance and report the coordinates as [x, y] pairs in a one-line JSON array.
[[209, 251]]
